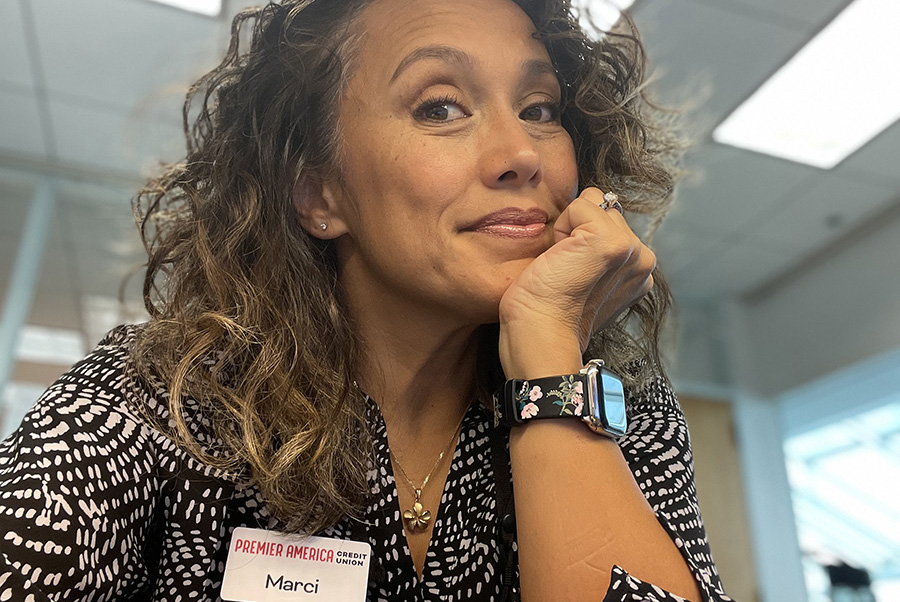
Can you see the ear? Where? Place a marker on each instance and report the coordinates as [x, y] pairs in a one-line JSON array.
[[319, 205]]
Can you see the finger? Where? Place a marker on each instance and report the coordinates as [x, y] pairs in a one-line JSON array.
[[628, 283], [636, 248], [609, 203], [585, 209], [600, 236], [617, 303]]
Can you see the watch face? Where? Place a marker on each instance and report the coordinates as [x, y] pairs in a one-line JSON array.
[[613, 402]]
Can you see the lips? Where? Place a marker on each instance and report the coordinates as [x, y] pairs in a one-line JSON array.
[[512, 222]]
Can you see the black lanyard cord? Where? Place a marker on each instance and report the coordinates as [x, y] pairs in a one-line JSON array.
[[506, 514]]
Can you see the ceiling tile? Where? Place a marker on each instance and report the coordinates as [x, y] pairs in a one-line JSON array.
[[117, 140], [20, 127], [811, 12], [681, 244], [150, 49], [734, 268], [15, 65], [730, 189], [879, 158], [704, 50], [820, 214]]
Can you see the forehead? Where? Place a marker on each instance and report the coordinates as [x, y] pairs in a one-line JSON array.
[[394, 28]]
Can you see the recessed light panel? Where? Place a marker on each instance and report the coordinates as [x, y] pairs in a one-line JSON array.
[[210, 8], [833, 96]]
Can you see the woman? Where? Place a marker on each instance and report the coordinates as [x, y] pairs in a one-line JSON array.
[[388, 208]]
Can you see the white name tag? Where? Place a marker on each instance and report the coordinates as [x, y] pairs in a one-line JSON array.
[[266, 565]]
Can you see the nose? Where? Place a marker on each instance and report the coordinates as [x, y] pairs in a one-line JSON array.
[[510, 158]]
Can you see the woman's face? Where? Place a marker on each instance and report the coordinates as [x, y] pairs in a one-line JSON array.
[[454, 161]]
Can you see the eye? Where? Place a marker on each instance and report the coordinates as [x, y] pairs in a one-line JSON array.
[[442, 109], [545, 112]]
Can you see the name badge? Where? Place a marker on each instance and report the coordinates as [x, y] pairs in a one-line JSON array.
[[266, 565]]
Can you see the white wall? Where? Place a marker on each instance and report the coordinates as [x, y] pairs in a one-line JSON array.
[[842, 310]]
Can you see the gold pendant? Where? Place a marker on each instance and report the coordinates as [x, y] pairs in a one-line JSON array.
[[417, 518]]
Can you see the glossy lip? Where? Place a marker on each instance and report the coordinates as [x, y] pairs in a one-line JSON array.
[[512, 222]]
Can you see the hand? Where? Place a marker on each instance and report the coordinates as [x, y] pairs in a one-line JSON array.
[[596, 269]]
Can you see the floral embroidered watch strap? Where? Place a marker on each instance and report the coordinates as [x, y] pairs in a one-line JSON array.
[[595, 395], [548, 397]]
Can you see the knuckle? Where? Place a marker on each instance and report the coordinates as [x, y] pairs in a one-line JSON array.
[[650, 257], [627, 245], [624, 251], [645, 287]]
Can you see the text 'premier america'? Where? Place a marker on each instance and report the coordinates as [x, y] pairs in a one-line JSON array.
[[298, 552]]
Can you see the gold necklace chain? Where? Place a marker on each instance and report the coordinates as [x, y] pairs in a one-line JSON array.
[[417, 518]]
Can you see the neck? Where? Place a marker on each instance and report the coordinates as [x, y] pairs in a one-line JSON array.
[[421, 376], [418, 365]]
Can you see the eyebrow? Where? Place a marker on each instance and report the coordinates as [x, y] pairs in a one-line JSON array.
[[537, 67], [449, 54]]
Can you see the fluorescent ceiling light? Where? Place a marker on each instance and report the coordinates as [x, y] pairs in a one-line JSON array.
[[210, 8], [599, 16], [833, 96]]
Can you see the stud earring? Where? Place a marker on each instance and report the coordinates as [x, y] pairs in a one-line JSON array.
[[323, 226]]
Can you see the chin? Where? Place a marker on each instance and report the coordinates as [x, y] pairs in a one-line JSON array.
[[477, 300], [486, 303]]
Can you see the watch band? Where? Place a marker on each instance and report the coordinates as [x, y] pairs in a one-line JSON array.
[[595, 395]]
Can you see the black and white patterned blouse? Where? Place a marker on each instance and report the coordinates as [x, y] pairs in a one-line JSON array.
[[95, 504]]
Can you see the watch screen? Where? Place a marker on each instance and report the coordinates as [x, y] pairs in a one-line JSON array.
[[613, 401]]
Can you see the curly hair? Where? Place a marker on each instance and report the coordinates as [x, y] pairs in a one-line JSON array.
[[249, 331]]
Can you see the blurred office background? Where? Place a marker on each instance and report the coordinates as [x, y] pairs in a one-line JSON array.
[[786, 266]]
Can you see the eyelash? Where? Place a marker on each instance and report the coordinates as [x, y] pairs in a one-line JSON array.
[[446, 99], [551, 106]]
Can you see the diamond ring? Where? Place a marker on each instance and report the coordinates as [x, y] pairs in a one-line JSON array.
[[611, 200]]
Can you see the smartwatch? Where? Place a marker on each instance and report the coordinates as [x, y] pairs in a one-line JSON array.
[[594, 395]]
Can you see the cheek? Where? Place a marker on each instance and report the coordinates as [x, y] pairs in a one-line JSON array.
[[562, 172], [427, 175], [406, 192]]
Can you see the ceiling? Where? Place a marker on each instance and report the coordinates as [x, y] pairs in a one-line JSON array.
[[90, 90]]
